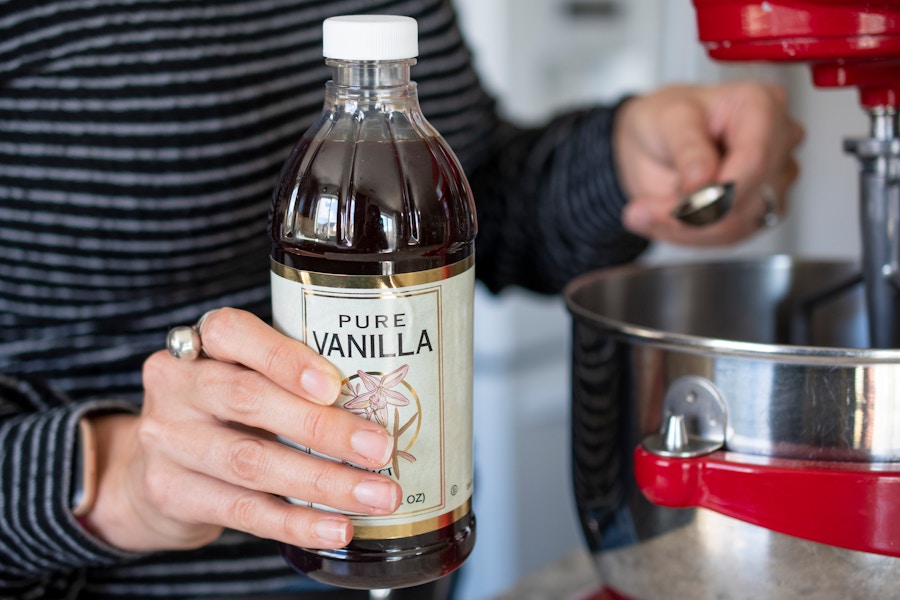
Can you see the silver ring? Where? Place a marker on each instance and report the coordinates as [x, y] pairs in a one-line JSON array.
[[770, 218], [185, 342]]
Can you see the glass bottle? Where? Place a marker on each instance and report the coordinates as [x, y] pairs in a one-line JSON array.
[[373, 229]]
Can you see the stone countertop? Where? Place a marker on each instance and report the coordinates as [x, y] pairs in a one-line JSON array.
[[719, 558], [572, 578]]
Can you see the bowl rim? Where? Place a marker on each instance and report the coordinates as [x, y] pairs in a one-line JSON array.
[[713, 346]]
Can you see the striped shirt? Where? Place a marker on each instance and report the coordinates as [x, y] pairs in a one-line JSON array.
[[139, 144]]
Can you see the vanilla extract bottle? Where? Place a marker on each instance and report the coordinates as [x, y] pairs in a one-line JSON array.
[[373, 229]]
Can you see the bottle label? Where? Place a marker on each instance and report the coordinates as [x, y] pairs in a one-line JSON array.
[[403, 344]]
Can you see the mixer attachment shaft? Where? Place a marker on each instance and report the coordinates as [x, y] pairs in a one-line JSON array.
[[879, 192]]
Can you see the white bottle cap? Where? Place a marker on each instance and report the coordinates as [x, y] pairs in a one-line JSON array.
[[370, 37]]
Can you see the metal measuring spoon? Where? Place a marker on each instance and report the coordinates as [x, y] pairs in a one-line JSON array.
[[706, 205]]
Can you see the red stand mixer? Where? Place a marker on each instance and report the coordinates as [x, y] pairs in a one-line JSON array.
[[846, 43], [736, 425]]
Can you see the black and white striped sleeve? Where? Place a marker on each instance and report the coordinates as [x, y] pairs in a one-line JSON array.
[[555, 207], [38, 533]]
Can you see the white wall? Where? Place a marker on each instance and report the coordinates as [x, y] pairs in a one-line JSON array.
[[538, 60], [826, 196]]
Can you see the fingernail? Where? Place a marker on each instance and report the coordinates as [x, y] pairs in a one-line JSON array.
[[380, 495], [319, 386], [333, 531], [373, 445]]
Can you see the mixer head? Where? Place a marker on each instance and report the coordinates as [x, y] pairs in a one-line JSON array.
[[846, 42]]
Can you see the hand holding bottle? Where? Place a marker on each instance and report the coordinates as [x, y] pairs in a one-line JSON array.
[[203, 454], [680, 138]]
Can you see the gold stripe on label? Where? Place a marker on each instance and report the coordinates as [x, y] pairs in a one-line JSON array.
[[397, 280], [390, 532]]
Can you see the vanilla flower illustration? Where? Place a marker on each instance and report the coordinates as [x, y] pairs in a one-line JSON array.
[[397, 454], [374, 400]]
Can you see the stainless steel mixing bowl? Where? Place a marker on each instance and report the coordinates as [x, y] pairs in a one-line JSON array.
[[778, 348]]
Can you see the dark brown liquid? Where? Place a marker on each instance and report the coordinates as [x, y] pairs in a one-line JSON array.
[[389, 564], [406, 208]]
